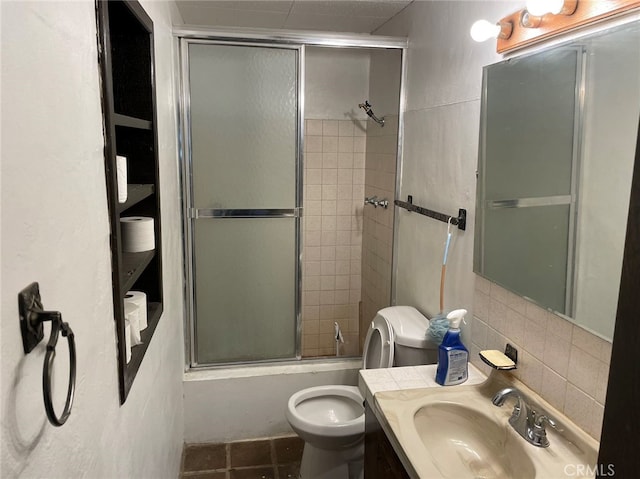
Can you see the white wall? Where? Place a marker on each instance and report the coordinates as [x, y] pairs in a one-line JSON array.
[[442, 120], [55, 231], [336, 80]]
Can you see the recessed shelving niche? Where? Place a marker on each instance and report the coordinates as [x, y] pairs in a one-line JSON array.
[[126, 56]]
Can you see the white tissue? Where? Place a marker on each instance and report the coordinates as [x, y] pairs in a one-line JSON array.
[[121, 175], [132, 314], [127, 340], [137, 234], [138, 299]]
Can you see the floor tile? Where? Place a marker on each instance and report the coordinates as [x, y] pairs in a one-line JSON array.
[[205, 475], [253, 473], [288, 449], [251, 453], [289, 471], [205, 457]]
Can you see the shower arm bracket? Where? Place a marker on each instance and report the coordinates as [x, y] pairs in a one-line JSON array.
[[366, 106]]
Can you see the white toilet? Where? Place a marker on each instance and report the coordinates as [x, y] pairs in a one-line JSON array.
[[330, 419]]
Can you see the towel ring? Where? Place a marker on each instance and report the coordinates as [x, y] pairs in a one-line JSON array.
[[32, 317], [57, 326]]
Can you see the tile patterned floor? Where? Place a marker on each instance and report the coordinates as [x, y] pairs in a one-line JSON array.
[[277, 458]]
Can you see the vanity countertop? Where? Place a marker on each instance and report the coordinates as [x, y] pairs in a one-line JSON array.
[[372, 381], [400, 392]]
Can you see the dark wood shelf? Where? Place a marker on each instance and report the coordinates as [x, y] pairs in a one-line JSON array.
[[154, 311], [135, 194], [133, 265], [131, 122], [130, 117]]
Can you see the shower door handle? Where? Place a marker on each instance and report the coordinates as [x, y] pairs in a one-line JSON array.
[[219, 213]]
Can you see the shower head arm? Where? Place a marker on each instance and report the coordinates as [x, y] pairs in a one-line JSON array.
[[366, 106]]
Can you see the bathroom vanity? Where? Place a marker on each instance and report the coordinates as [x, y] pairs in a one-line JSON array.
[[418, 429], [380, 459]]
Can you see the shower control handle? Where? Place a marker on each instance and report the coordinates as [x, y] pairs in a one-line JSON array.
[[373, 200]]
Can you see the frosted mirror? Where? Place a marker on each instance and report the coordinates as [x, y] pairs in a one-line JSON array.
[[557, 145]]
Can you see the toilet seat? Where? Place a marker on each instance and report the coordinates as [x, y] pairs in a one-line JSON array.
[[379, 345], [332, 411]]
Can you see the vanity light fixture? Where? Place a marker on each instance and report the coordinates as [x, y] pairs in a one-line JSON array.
[[483, 30], [539, 8], [543, 19]]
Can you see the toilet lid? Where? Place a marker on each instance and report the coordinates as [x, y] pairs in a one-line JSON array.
[[378, 345]]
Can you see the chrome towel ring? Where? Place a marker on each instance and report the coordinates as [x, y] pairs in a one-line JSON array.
[[32, 317]]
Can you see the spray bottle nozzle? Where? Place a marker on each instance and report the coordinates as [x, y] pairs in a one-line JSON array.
[[455, 317]]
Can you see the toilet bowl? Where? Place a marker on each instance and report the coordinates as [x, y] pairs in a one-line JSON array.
[[330, 419], [328, 416]]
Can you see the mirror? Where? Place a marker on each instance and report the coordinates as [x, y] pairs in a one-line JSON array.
[[557, 143]]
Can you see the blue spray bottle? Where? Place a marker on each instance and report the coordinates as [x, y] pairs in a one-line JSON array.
[[453, 357]]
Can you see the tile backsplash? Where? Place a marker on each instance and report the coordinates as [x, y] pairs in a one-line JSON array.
[[567, 365]]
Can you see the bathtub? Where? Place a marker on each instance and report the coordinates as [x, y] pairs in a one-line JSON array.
[[248, 402]]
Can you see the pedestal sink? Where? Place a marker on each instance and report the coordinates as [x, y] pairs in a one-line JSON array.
[[457, 433], [464, 443]]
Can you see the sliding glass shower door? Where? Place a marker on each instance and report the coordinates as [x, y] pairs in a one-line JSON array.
[[242, 176]]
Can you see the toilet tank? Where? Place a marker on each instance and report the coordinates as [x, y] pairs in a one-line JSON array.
[[412, 346]]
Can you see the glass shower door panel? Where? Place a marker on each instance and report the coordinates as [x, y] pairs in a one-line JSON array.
[[245, 284], [243, 118], [243, 126]]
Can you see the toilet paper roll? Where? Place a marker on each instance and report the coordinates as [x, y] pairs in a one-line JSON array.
[[139, 299], [127, 340], [132, 314], [121, 176], [137, 234]]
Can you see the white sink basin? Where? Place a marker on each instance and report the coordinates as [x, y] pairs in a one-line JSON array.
[[470, 444], [457, 433]]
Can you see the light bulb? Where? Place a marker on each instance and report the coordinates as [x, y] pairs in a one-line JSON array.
[[483, 30], [538, 8]]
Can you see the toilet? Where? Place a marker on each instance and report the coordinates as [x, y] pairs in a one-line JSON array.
[[330, 419]]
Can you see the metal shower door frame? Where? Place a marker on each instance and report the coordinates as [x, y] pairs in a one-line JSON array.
[[269, 39], [190, 214]]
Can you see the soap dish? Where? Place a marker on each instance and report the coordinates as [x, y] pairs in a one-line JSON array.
[[500, 361]]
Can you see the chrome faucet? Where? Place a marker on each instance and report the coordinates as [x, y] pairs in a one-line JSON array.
[[524, 420]]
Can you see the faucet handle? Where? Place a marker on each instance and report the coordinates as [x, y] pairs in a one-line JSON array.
[[540, 420], [538, 434]]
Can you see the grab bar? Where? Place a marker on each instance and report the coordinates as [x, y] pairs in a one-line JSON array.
[[460, 221]]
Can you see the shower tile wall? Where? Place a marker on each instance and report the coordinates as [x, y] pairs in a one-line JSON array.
[[377, 242], [334, 176]]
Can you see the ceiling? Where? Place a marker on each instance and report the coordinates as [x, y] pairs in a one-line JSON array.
[[356, 16]]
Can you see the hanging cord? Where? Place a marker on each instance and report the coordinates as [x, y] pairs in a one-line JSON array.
[[444, 264], [439, 324]]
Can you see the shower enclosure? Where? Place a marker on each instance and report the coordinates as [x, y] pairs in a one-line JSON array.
[[250, 252]]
